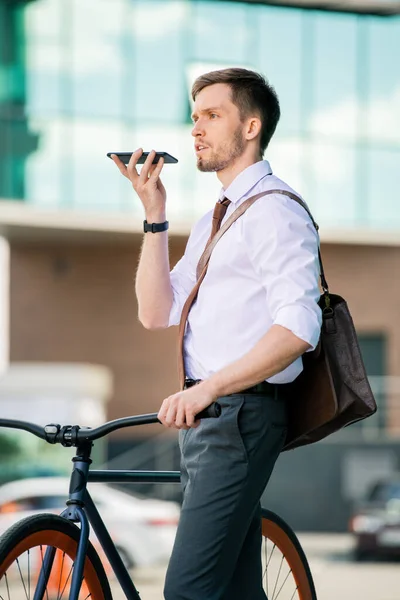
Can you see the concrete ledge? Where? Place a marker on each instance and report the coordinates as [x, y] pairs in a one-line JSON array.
[[20, 222], [24, 222]]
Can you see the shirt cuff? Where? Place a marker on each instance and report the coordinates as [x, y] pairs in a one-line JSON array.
[[304, 322], [175, 313]]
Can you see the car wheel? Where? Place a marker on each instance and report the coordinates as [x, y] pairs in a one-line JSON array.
[[360, 555]]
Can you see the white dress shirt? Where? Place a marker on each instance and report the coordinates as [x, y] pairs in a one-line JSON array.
[[263, 271]]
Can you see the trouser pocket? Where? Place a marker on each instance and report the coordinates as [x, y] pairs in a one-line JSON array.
[[261, 420]]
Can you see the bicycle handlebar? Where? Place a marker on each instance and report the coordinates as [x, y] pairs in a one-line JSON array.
[[74, 435]]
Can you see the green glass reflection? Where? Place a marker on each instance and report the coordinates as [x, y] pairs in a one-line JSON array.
[[16, 141]]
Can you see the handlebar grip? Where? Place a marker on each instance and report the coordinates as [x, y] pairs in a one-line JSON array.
[[211, 412]]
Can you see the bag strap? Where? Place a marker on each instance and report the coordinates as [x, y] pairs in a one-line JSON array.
[[205, 257]]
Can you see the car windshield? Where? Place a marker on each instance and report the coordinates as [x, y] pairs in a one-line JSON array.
[[382, 492]]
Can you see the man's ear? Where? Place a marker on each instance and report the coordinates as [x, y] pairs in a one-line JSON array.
[[253, 128]]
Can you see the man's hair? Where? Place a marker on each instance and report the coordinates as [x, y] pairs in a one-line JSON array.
[[251, 93]]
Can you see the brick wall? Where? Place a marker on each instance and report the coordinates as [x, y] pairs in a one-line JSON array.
[[77, 304]]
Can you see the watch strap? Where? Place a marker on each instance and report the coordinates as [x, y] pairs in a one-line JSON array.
[[155, 227]]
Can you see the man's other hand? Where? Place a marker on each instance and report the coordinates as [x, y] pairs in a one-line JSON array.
[[179, 410]]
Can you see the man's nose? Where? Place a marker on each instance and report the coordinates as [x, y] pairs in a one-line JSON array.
[[198, 129]]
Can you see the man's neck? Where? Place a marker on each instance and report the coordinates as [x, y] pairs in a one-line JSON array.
[[227, 175]]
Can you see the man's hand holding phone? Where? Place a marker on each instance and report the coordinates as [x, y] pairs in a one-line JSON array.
[[147, 184]]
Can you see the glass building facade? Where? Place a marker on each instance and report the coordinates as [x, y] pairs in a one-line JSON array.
[[79, 78]]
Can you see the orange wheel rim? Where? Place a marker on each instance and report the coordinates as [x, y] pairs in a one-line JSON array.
[[273, 532], [62, 542]]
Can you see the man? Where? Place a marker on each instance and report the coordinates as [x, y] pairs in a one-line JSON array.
[[255, 314]]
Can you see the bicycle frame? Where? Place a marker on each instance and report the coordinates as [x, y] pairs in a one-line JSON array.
[[81, 509]]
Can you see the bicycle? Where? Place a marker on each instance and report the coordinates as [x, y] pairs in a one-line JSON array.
[[68, 561]]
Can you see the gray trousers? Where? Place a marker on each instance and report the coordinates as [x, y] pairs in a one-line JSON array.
[[226, 464]]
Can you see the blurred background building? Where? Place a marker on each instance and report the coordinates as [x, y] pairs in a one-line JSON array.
[[80, 79]]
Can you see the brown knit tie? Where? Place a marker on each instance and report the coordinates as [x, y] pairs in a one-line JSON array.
[[218, 215]]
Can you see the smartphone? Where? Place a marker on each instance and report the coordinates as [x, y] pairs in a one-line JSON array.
[[125, 157]]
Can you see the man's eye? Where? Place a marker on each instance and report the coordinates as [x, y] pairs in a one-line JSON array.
[[213, 115]]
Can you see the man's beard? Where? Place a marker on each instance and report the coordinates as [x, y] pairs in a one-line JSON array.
[[226, 155]]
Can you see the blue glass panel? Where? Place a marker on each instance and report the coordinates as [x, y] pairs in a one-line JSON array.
[[331, 170], [96, 60], [221, 33], [279, 58], [44, 20], [286, 156], [384, 89], [156, 90], [43, 167], [383, 179], [97, 183], [45, 65], [334, 98]]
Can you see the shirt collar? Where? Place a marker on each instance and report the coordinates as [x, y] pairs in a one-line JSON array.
[[246, 180]]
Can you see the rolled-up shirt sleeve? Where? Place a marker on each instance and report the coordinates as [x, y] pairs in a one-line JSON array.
[[183, 279], [284, 254]]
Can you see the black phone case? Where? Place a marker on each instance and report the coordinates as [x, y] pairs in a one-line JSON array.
[[125, 157]]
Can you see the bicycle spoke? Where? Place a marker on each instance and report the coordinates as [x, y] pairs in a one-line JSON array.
[[267, 561], [24, 568], [266, 568], [270, 556], [294, 593], [61, 571], [65, 585], [8, 589], [277, 579], [280, 589], [22, 579], [41, 552], [29, 575]]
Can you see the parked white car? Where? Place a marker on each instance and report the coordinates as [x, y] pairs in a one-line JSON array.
[[142, 529]]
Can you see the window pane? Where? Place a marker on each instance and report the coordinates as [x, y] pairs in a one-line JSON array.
[[384, 98], [45, 76], [43, 167], [334, 113], [286, 156], [96, 57], [279, 57], [96, 183], [383, 177], [43, 20], [211, 23], [331, 173], [156, 90]]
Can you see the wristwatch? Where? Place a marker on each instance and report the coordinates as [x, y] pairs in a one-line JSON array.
[[155, 227]]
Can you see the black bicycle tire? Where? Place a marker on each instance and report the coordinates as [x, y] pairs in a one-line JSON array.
[[35, 524], [268, 515]]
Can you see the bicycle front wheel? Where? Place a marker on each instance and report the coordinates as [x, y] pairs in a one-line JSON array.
[[286, 573], [22, 552]]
